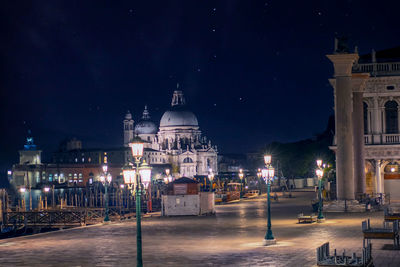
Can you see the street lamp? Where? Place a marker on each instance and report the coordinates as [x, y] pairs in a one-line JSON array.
[[167, 178], [46, 190], [268, 175], [106, 179], [241, 175], [211, 178], [23, 190], [137, 146], [320, 173], [145, 174], [267, 160]]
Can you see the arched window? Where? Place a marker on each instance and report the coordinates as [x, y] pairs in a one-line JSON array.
[[392, 126], [365, 118], [187, 160]]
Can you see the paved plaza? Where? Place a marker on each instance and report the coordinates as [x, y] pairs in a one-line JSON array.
[[233, 237]]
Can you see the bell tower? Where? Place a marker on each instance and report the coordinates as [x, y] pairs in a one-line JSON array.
[[30, 154], [128, 128]]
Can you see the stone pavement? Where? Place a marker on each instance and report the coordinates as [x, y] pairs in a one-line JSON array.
[[231, 238]]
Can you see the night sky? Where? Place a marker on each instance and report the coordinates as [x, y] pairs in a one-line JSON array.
[[252, 71]]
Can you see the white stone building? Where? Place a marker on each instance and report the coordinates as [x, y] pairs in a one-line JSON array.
[[370, 122], [381, 101], [177, 141]]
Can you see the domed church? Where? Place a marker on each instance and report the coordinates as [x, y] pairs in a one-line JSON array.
[[177, 141]]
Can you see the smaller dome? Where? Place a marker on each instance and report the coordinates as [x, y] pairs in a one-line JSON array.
[[145, 126], [128, 116]]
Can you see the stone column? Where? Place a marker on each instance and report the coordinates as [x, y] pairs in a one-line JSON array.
[[344, 125], [378, 177], [358, 82], [376, 122]]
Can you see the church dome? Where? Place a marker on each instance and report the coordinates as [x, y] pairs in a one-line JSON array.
[[145, 126], [178, 118], [178, 115]]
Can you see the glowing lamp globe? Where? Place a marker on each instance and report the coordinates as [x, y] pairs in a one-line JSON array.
[[145, 174], [22, 189], [264, 173], [267, 159], [137, 146], [46, 189], [271, 172], [319, 163], [109, 178], [319, 173], [129, 176], [105, 168]]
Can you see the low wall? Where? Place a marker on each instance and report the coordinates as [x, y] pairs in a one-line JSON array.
[[310, 182], [207, 203], [299, 183], [175, 205]]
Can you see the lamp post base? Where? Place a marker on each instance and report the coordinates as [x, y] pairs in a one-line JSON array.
[[320, 220], [268, 242]]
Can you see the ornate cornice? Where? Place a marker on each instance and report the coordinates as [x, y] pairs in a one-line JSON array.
[[382, 151], [343, 63]]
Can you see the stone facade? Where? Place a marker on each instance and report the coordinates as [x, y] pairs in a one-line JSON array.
[[375, 120]]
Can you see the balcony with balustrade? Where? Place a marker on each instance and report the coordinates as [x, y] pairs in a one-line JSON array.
[[381, 139], [378, 69]]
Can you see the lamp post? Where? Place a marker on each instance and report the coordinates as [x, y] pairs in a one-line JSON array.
[[145, 175], [106, 179], [46, 190], [241, 175], [22, 190], [320, 173], [166, 178], [211, 178], [268, 175], [131, 177]]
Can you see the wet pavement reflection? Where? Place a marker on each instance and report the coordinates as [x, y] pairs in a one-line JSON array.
[[233, 237]]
